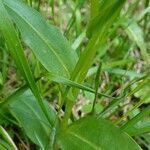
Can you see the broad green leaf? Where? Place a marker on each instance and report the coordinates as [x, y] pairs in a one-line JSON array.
[[31, 118], [14, 45], [90, 133], [46, 41]]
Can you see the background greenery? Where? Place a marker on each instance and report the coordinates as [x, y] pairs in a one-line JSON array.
[[78, 58]]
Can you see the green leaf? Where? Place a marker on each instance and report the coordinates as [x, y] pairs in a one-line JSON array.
[[46, 41], [70, 83], [142, 90], [104, 14], [94, 8], [98, 33], [94, 134], [4, 145], [131, 123], [7, 138], [140, 128], [133, 30], [16, 50], [31, 118]]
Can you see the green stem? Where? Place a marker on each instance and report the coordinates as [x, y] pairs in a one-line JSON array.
[[97, 80], [69, 104], [68, 111]]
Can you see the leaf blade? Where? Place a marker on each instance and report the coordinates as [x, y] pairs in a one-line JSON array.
[[14, 45], [100, 133], [53, 50], [31, 118]]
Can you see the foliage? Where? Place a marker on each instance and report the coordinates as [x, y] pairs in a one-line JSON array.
[[46, 83]]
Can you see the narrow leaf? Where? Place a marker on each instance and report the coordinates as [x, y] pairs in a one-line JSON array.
[[70, 83]]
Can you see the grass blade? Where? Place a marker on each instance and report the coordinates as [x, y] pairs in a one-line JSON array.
[[136, 119]]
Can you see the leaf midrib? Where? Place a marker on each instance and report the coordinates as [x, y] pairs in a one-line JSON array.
[[94, 146]]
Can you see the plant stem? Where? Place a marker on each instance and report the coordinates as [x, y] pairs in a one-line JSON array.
[[97, 80], [69, 104], [68, 111]]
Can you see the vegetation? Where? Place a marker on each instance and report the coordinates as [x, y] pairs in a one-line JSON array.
[[74, 74]]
